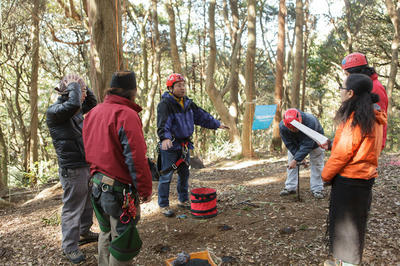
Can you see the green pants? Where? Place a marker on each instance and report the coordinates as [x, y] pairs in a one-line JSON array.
[[118, 243]]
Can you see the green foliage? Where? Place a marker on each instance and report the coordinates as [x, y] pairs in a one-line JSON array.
[[52, 220]]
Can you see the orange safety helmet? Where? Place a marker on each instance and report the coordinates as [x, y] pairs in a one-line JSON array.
[[290, 115], [173, 78], [354, 60]]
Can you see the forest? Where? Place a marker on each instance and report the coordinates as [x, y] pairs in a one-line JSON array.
[[235, 55]]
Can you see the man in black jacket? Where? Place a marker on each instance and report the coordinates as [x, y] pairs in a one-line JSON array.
[[65, 121]]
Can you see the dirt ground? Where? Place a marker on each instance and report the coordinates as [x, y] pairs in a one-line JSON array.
[[255, 226]]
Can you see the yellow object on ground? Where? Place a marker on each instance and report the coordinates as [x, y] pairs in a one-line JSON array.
[[204, 255]]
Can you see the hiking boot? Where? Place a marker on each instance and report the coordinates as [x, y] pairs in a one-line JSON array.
[[184, 205], [167, 211], [286, 192], [318, 194], [75, 256], [88, 237]]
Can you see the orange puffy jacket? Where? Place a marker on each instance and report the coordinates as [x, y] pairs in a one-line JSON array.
[[354, 155]]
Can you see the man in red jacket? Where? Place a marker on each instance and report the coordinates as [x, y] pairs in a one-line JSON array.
[[116, 151], [357, 63]]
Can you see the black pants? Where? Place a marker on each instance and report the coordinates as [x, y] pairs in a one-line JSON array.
[[348, 212]]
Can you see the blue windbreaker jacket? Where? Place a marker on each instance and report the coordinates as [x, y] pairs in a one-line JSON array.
[[297, 142], [177, 123]]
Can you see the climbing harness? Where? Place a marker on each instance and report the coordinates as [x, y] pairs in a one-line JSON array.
[[128, 207], [181, 160]]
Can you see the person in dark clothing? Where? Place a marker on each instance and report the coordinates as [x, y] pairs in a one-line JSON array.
[[65, 120], [299, 146], [176, 116], [116, 151]]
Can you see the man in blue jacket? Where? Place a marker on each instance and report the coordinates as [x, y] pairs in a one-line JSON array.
[[176, 117], [299, 146], [65, 121]]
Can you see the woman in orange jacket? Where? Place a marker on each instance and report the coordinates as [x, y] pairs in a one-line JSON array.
[[351, 168]]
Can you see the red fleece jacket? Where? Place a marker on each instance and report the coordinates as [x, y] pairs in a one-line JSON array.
[[114, 143]]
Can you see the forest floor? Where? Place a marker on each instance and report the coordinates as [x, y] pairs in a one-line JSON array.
[[255, 226]]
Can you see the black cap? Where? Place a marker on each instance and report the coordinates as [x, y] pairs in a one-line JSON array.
[[123, 79]]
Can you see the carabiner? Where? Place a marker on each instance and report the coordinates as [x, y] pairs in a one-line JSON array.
[[125, 217], [104, 187]]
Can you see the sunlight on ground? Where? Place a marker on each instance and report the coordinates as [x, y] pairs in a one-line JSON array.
[[263, 180], [235, 165]]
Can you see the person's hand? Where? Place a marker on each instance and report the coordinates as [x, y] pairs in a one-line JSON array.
[[222, 126], [326, 145], [72, 78], [145, 199], [292, 164], [166, 144]]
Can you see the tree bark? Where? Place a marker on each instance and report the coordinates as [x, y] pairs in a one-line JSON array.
[[176, 62], [280, 62], [394, 13], [247, 149], [34, 158], [295, 95], [212, 92], [105, 44]]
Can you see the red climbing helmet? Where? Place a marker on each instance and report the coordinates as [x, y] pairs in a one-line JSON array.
[[173, 78], [290, 115], [354, 60]]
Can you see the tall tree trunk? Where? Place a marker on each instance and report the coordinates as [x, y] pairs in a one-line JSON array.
[[156, 72], [105, 44], [349, 41], [295, 95], [233, 82], [176, 62], [394, 13], [3, 162], [305, 53], [34, 158], [247, 148], [145, 67], [212, 92], [280, 62]]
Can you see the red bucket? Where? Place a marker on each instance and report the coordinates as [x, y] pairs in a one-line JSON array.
[[203, 202]]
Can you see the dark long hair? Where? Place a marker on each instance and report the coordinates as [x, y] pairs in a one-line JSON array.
[[367, 70], [361, 104]]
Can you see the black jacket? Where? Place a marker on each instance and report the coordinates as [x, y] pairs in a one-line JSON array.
[[65, 121]]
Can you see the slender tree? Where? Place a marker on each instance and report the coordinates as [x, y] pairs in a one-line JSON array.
[[3, 163], [34, 158], [298, 57], [280, 62], [305, 53], [156, 79], [214, 94], [394, 13], [176, 62], [247, 148]]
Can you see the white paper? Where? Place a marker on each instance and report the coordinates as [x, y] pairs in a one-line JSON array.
[[314, 135]]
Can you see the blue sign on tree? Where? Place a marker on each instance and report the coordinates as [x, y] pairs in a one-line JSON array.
[[263, 116]]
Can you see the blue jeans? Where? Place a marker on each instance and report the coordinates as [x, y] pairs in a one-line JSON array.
[[169, 157]]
